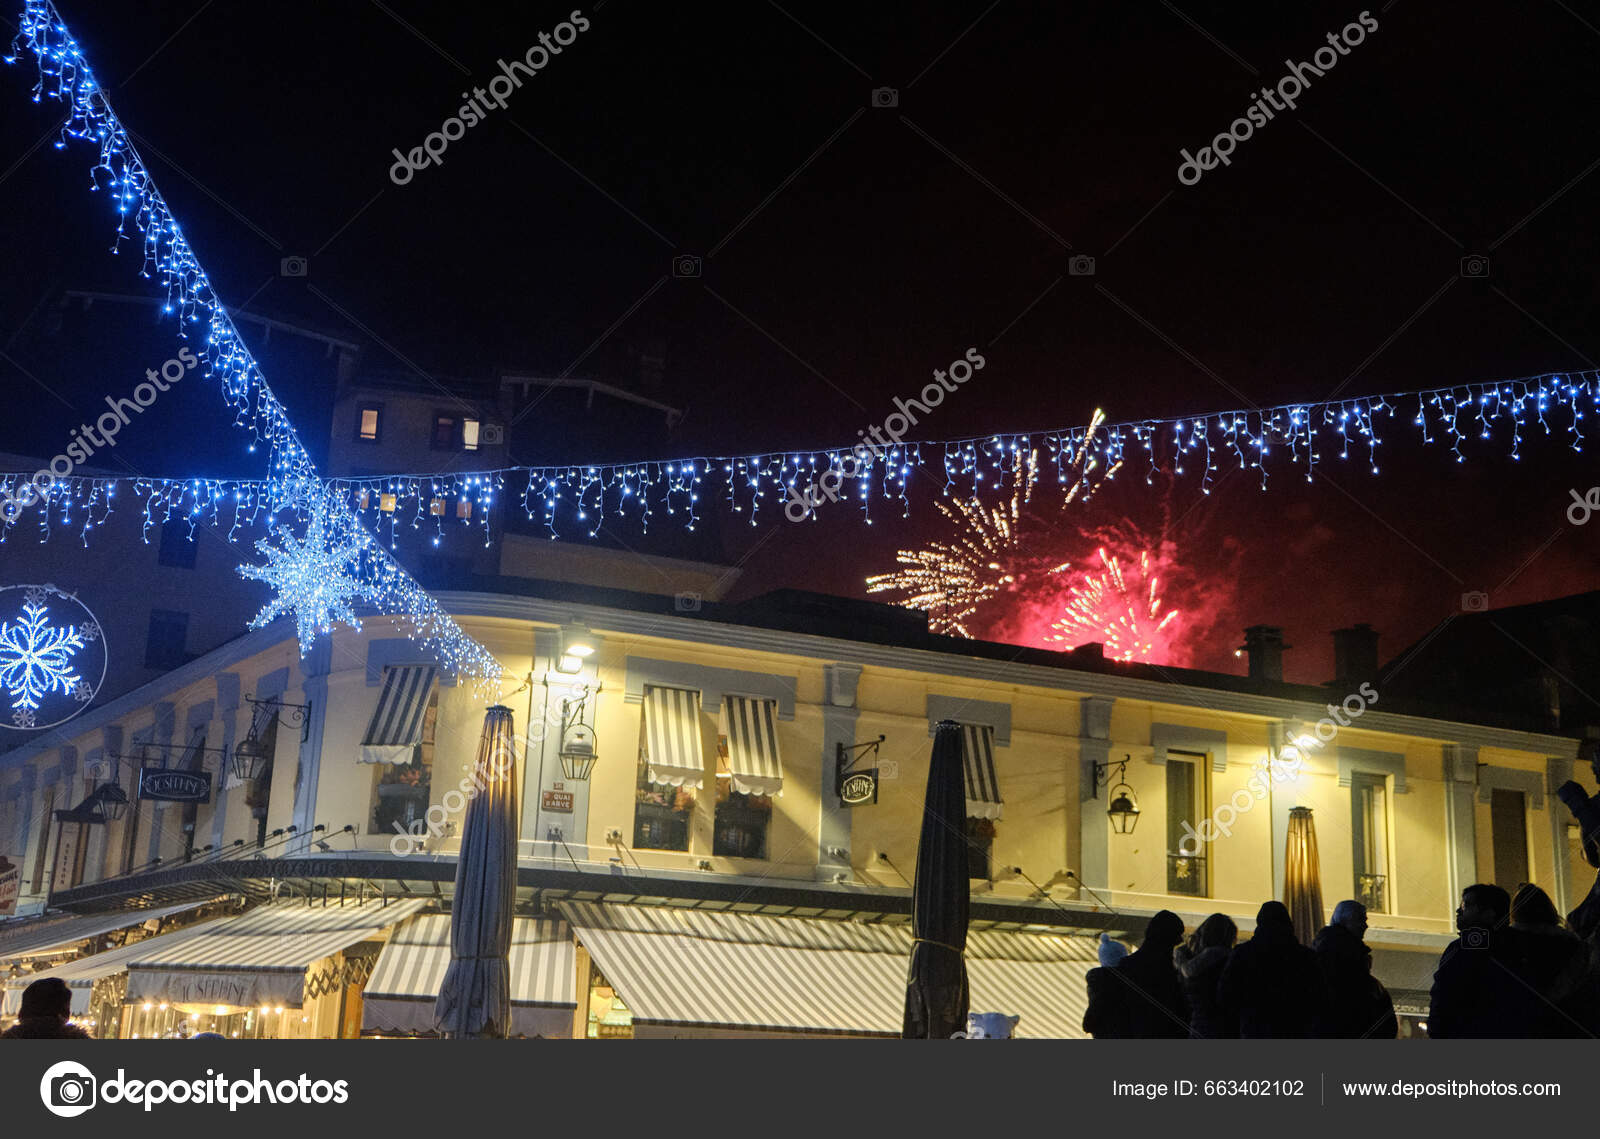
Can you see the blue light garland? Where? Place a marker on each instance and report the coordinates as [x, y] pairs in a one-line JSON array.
[[64, 75], [581, 497]]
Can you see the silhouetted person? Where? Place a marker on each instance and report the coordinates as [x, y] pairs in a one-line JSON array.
[[1200, 962], [1476, 991], [1271, 982], [1585, 920], [1140, 997], [1357, 1004], [46, 1009], [1555, 964]]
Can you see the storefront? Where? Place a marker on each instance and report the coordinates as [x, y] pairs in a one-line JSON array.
[[400, 996], [286, 970], [666, 971]]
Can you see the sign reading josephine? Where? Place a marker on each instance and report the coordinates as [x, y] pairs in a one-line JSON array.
[[175, 786], [859, 787]]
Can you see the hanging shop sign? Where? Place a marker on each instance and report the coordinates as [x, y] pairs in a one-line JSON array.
[[10, 886], [174, 786], [859, 788]]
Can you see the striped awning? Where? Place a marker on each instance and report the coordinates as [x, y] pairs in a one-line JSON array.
[[47, 937], [669, 737], [80, 975], [400, 994], [700, 969], [977, 756], [396, 727], [259, 957], [750, 725]]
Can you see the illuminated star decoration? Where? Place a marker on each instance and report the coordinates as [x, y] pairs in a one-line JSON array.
[[36, 659], [1109, 606], [316, 577]]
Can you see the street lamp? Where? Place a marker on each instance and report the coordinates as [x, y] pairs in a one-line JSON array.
[[1123, 810]]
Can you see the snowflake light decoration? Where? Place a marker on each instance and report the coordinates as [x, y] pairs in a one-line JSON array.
[[317, 578], [42, 658]]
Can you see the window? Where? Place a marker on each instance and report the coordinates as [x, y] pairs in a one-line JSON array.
[[164, 644], [741, 819], [42, 851], [980, 846], [1186, 858], [369, 423], [609, 1018], [444, 432], [177, 548], [671, 768], [1369, 828], [401, 791], [1508, 824], [469, 434], [661, 814]]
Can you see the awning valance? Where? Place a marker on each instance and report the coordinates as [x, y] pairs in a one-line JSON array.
[[80, 975], [396, 727], [711, 969], [400, 995], [977, 756], [669, 737], [47, 937], [259, 957], [750, 725]]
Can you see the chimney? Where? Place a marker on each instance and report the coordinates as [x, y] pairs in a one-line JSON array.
[[1264, 645], [1355, 655]]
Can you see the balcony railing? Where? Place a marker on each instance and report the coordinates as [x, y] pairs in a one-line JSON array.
[[1186, 874], [1372, 892]]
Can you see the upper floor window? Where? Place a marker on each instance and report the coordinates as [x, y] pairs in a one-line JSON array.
[[1508, 826], [1186, 800], [401, 791], [671, 768], [469, 434], [177, 547], [1369, 827], [369, 423], [446, 430]]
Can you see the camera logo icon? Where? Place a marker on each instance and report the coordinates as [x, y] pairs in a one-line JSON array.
[[1081, 266], [68, 1089], [293, 267], [687, 603], [685, 265], [885, 97], [1475, 938], [1475, 601], [1475, 265]]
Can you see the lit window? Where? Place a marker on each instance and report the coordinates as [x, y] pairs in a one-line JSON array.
[[436, 508], [368, 423], [463, 508], [469, 434], [1369, 795]]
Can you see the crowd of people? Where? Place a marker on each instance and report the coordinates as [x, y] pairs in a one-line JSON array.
[[1516, 970]]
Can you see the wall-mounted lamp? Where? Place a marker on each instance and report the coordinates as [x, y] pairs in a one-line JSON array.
[[250, 758], [1123, 810], [577, 645]]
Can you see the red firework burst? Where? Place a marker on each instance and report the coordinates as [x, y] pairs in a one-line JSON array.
[[1120, 608]]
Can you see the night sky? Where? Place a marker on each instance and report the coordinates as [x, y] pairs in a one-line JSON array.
[[847, 250]]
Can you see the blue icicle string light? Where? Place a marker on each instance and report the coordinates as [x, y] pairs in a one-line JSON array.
[[574, 500], [64, 75]]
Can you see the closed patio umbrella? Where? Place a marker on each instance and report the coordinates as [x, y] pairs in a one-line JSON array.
[[936, 983], [1302, 876], [475, 996]]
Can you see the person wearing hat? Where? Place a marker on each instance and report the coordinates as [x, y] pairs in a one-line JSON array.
[[1140, 996], [46, 1013]]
